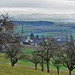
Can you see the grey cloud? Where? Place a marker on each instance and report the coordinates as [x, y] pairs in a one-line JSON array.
[[71, 0], [39, 6], [50, 4]]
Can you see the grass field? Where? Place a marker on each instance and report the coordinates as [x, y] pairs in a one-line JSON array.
[[26, 62], [6, 69]]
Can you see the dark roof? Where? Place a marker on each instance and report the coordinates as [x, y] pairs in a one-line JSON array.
[[38, 40]]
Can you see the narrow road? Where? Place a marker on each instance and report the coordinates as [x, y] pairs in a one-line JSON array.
[[33, 66]]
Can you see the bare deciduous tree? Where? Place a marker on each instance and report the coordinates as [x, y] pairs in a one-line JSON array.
[[56, 60], [49, 46], [9, 41], [14, 52], [35, 59], [68, 55], [6, 28], [41, 55]]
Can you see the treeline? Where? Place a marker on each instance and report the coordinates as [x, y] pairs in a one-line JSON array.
[[48, 50]]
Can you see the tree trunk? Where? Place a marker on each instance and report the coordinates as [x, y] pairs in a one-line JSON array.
[[42, 69], [69, 72], [35, 66], [42, 66], [47, 66], [57, 70], [47, 61], [12, 62]]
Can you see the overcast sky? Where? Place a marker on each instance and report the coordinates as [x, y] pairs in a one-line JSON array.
[[38, 6], [18, 9]]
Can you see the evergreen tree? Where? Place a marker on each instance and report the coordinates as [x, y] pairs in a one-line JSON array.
[[37, 37], [32, 36]]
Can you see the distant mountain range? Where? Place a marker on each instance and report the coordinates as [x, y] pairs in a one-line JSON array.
[[45, 17]]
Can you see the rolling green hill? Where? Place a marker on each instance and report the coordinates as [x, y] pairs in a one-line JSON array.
[[46, 28]]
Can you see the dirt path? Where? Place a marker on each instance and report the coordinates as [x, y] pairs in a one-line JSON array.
[[33, 66]]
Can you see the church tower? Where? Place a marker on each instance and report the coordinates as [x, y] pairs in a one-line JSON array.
[[22, 30]]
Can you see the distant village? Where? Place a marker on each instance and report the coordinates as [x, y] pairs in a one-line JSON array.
[[36, 40]]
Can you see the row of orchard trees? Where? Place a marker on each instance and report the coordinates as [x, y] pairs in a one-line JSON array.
[[50, 51]]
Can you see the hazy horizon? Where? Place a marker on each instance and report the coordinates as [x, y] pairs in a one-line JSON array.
[[35, 10]]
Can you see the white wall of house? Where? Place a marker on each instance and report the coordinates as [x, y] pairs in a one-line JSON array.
[[28, 39]]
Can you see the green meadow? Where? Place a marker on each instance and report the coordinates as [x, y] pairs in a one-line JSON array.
[[6, 69], [3, 59]]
